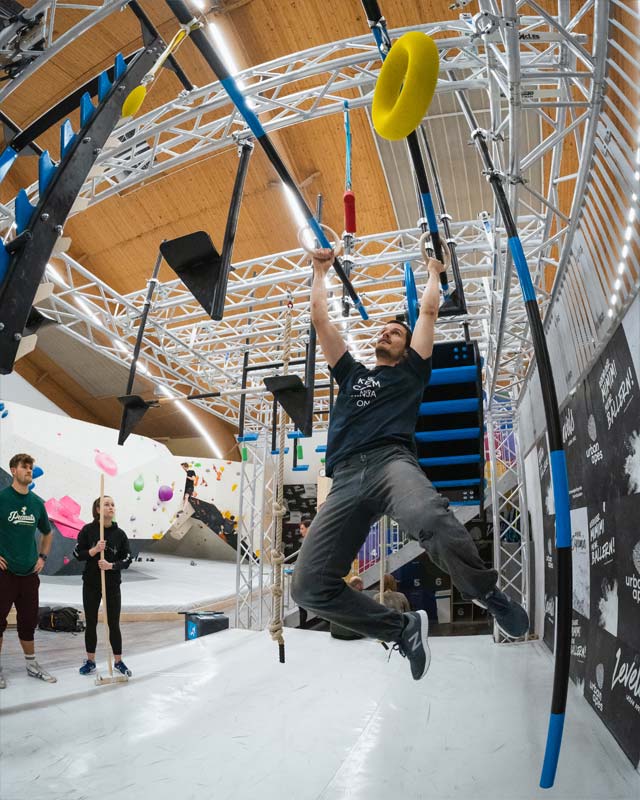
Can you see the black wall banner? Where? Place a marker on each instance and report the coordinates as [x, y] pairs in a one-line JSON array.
[[601, 435]]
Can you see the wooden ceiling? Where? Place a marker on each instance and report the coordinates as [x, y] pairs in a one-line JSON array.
[[118, 239]]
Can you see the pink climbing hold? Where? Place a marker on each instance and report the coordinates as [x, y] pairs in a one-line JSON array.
[[106, 463]]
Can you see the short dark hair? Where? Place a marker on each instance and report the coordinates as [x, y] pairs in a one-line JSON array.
[[407, 329], [306, 521], [21, 458]]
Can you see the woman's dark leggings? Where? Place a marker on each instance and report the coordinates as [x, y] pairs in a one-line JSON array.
[[91, 596]]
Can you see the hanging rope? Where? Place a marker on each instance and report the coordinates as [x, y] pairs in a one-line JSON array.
[[279, 510]]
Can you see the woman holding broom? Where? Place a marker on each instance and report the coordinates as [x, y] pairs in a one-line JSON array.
[[108, 555]]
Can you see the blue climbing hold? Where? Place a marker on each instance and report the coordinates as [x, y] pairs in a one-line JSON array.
[[32, 486], [4, 414], [37, 472]]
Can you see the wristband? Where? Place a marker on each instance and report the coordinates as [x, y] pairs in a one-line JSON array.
[[42, 556]]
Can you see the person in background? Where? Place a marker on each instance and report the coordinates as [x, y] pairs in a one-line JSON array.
[[22, 513], [110, 556], [391, 597], [338, 631], [189, 484]]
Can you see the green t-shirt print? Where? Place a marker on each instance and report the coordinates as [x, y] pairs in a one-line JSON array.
[[21, 515]]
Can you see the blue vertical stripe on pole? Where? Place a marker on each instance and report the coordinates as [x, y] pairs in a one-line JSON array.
[[560, 482]]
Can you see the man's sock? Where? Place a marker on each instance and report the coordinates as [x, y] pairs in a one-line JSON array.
[[30, 659]]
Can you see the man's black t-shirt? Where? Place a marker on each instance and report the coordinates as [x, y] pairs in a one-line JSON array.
[[375, 406]]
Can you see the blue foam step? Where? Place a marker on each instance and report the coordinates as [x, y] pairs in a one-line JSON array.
[[297, 435], [5, 259], [46, 171], [87, 109], [104, 86], [449, 407], [440, 377], [120, 67], [7, 157], [445, 461], [301, 468], [321, 448], [450, 435], [248, 437], [23, 210], [276, 452], [462, 482], [464, 503], [67, 137]]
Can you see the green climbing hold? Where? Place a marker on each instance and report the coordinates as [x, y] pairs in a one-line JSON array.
[[138, 484]]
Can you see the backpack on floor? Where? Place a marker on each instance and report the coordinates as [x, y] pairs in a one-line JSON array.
[[61, 619]]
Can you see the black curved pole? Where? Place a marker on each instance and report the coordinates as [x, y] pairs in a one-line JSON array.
[[558, 461], [184, 16]]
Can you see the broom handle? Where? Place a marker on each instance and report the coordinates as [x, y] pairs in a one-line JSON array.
[[103, 579]]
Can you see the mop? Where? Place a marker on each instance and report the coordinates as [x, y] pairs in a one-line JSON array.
[[101, 680]]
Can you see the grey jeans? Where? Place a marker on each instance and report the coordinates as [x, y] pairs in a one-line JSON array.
[[386, 480]]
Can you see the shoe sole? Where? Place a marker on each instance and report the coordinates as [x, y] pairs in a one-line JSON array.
[[424, 638], [50, 679]]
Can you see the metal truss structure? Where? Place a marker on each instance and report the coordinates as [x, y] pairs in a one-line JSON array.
[[533, 67]]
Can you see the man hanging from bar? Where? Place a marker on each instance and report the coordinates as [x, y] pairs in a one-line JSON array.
[[372, 459]]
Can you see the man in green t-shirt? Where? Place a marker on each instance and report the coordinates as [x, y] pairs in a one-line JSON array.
[[22, 513]]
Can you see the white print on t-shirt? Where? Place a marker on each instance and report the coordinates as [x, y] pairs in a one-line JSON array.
[[364, 391], [21, 517]]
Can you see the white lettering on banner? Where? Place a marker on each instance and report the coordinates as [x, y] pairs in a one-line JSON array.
[[633, 583], [21, 517], [594, 453], [579, 651], [626, 674], [596, 695], [616, 403], [568, 428], [604, 551], [543, 462], [607, 377]]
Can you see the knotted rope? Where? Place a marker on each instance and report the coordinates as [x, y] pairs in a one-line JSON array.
[[279, 510]]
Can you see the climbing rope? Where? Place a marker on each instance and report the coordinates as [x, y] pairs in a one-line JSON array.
[[279, 510]]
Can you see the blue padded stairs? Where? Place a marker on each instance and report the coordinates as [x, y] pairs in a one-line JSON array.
[[450, 429]]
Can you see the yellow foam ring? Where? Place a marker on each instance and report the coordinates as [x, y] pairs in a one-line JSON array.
[[157, 535], [405, 86], [134, 100]]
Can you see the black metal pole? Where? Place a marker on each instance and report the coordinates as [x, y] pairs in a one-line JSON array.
[[206, 49], [151, 286], [558, 460], [220, 291]]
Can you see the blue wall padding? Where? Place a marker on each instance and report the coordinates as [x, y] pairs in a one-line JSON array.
[[452, 435], [560, 484], [449, 407], [552, 751]]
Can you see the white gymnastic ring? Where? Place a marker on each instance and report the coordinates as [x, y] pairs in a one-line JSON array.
[[337, 247], [425, 242]]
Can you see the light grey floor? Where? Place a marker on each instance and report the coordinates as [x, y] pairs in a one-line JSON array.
[[219, 717]]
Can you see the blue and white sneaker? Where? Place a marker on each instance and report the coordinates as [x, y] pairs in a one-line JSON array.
[[88, 668], [510, 617], [413, 643], [122, 668]]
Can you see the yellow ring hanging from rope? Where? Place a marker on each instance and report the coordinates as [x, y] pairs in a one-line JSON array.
[[405, 85]]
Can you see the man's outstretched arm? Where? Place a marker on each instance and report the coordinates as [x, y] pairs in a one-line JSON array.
[[332, 344], [424, 332]]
